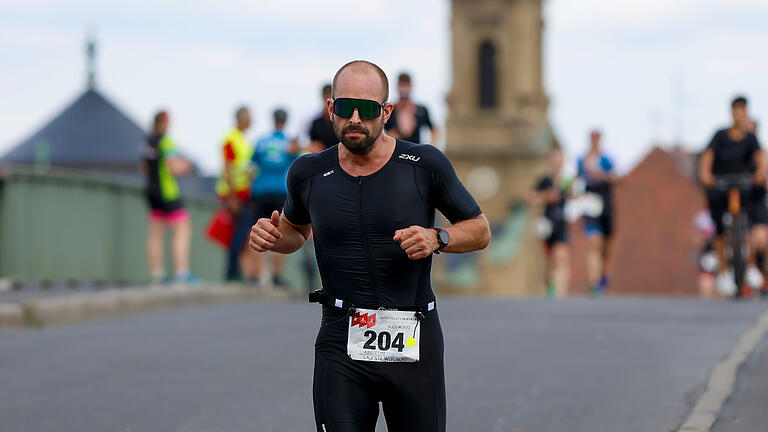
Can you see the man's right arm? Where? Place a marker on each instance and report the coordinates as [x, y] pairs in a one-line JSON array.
[[705, 168], [278, 234]]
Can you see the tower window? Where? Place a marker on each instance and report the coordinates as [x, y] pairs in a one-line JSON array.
[[487, 75]]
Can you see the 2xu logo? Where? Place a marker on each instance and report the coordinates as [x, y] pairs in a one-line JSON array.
[[363, 320], [409, 157]]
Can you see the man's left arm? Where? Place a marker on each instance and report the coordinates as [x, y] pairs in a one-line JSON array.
[[469, 230], [465, 236]]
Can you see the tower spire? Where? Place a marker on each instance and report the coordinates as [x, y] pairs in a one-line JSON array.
[[90, 52]]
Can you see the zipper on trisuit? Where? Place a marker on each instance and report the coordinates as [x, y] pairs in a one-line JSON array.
[[364, 234]]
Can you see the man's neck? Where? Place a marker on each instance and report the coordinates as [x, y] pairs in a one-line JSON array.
[[369, 163], [737, 132]]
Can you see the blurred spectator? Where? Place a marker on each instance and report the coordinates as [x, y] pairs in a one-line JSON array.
[[408, 118], [272, 156], [596, 171], [232, 186], [551, 190], [321, 134], [704, 235], [161, 163]]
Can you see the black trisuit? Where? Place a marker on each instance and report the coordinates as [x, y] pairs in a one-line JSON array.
[[354, 220]]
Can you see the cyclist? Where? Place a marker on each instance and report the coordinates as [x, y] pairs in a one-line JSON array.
[[370, 203], [735, 150]]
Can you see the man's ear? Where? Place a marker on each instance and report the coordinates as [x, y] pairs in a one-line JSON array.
[[329, 107], [388, 107]]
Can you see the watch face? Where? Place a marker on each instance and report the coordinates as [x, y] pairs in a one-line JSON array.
[[443, 237]]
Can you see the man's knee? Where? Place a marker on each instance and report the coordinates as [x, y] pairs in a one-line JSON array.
[[759, 237]]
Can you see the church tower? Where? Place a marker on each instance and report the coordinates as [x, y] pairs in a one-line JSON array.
[[497, 133]]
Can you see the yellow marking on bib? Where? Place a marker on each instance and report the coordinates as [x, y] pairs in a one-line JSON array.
[[411, 342]]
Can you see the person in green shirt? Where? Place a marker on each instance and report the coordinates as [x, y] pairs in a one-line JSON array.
[[161, 162]]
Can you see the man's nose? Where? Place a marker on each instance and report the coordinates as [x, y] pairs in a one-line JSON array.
[[355, 117]]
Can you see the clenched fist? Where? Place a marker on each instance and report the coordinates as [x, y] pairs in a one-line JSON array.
[[265, 233], [418, 242]]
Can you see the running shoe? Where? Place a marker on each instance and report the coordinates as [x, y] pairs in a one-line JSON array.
[[278, 281], [189, 279], [754, 277], [550, 291], [604, 282], [726, 286]]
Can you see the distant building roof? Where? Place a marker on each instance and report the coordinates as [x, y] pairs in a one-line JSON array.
[[653, 250], [90, 133]]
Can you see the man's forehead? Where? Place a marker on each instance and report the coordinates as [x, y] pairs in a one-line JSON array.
[[358, 83]]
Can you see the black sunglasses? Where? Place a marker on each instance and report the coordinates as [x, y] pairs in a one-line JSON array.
[[366, 109]]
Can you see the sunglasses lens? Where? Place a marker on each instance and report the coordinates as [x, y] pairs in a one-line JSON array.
[[367, 109]]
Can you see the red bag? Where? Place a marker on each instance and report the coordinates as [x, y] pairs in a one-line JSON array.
[[221, 228]]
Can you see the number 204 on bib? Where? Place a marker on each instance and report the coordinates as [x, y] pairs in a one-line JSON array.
[[383, 336]]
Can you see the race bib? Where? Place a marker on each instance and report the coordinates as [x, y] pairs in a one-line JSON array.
[[383, 336]]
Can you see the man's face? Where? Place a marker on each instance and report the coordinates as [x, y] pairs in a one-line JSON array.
[[594, 140], [356, 134], [739, 114], [162, 124], [244, 121], [404, 90]]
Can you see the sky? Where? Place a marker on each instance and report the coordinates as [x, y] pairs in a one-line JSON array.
[[643, 71]]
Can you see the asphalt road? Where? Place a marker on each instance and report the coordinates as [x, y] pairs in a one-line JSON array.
[[511, 365], [745, 410]]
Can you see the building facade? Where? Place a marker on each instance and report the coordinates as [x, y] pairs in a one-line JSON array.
[[497, 132]]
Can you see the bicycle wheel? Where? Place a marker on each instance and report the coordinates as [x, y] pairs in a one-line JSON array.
[[738, 243]]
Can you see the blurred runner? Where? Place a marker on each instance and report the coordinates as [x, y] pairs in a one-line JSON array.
[[272, 156], [235, 180], [735, 150], [161, 163], [596, 171], [704, 236], [408, 118], [321, 134], [552, 191], [371, 204]]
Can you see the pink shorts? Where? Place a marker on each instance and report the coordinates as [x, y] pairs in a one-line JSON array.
[[169, 217]]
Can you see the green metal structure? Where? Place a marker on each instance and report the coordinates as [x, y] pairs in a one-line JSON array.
[[75, 226]]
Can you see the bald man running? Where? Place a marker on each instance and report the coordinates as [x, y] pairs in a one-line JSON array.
[[371, 205]]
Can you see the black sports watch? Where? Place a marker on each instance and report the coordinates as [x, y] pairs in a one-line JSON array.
[[442, 238]]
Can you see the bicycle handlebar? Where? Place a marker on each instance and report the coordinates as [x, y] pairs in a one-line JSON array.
[[727, 182]]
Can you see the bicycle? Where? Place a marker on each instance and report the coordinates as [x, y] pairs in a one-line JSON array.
[[736, 225]]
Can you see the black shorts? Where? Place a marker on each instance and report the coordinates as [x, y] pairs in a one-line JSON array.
[[264, 205], [602, 224], [753, 203], [347, 392], [559, 233], [156, 202]]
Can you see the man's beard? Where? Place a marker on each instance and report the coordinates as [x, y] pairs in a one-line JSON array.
[[358, 145]]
